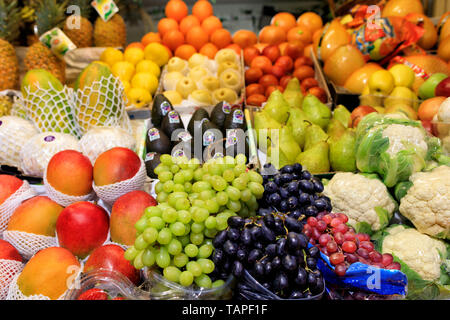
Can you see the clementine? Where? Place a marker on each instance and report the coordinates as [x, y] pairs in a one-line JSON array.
[[150, 37], [188, 23], [244, 38], [165, 25], [310, 21], [209, 50], [185, 51], [211, 24], [173, 39], [197, 37], [235, 47], [202, 9], [284, 20], [272, 35], [299, 34], [221, 38], [176, 9]]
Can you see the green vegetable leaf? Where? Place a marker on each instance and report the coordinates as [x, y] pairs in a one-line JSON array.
[[401, 189], [383, 216], [363, 227]]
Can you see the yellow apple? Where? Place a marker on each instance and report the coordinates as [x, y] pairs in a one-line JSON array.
[[400, 95], [403, 75], [381, 82], [402, 109]]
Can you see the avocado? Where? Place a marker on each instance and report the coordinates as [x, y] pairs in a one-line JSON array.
[[157, 141], [219, 113], [198, 115], [171, 122], [235, 120], [215, 150], [161, 106], [236, 143], [182, 148], [151, 162]]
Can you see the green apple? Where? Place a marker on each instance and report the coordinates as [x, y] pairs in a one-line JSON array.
[[403, 75], [427, 89], [381, 82]]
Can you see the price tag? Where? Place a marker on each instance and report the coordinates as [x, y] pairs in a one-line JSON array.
[[105, 8], [57, 42]]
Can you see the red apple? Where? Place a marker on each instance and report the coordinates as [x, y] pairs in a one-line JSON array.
[[309, 83], [8, 252], [284, 80], [359, 113], [278, 71], [82, 227], [443, 88], [319, 93], [8, 186], [111, 257], [303, 61], [294, 49], [285, 62], [272, 52], [427, 126], [268, 80], [249, 54], [271, 89]]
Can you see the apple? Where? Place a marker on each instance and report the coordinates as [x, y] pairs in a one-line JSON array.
[[309, 83], [381, 82], [428, 89], [429, 108], [278, 71], [443, 88], [403, 75], [294, 49], [284, 80], [319, 93], [249, 54], [400, 95], [82, 227], [8, 252], [285, 62], [427, 126], [111, 257], [402, 109], [359, 113], [272, 52]]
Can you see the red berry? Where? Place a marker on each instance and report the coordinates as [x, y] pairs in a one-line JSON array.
[[363, 237], [340, 270], [349, 236], [312, 221], [315, 234], [324, 238], [343, 217], [312, 241], [363, 253], [321, 226], [375, 256], [331, 247], [369, 246], [351, 258], [337, 258], [327, 219], [394, 266], [335, 222], [387, 259], [339, 238], [349, 246], [378, 265], [343, 228]]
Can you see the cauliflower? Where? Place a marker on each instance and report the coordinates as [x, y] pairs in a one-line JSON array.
[[420, 252], [401, 137], [362, 199], [443, 113], [427, 202]]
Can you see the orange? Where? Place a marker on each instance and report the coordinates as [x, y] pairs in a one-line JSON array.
[[221, 38], [185, 51], [211, 24], [176, 9], [310, 21], [307, 50], [284, 20], [202, 9], [235, 47], [188, 23], [165, 25], [197, 37], [245, 38], [299, 34], [135, 45], [150, 37], [173, 39], [272, 35], [209, 50], [282, 47]]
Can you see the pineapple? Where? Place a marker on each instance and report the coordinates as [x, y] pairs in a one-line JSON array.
[[82, 37], [112, 33], [5, 105], [49, 15], [9, 32]]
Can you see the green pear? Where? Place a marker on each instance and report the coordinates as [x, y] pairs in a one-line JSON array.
[[298, 123], [342, 114], [317, 112], [315, 160], [293, 93], [264, 124], [277, 158], [335, 128], [343, 152], [287, 143], [277, 107], [313, 135]]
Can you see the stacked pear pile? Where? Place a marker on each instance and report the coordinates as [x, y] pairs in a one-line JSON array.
[[291, 128]]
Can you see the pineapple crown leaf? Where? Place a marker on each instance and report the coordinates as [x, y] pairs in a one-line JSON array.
[[10, 21], [51, 14], [85, 7]]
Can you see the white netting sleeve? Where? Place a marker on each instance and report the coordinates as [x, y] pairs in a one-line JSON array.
[[10, 205], [100, 139], [14, 133], [64, 199], [28, 244], [14, 292], [18, 108], [37, 151], [102, 104], [8, 270], [51, 109], [110, 193]]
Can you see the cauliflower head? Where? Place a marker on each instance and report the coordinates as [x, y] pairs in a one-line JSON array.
[[443, 113], [420, 252], [361, 198], [427, 202], [402, 137]]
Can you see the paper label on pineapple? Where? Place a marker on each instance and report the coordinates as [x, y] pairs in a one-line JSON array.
[[57, 42], [105, 8], [174, 117], [153, 134]]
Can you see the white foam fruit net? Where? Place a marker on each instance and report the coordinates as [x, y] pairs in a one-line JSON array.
[[100, 139], [18, 109], [37, 151], [64, 199], [10, 205], [14, 292], [52, 110], [111, 192], [102, 104], [14, 133], [8, 270], [28, 244]]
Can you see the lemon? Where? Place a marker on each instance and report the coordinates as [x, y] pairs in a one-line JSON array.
[[157, 53], [126, 86], [133, 55], [110, 56], [148, 66], [174, 97], [139, 97], [146, 81], [124, 70]]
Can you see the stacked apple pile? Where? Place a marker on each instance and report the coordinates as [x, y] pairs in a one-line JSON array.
[[60, 236]]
